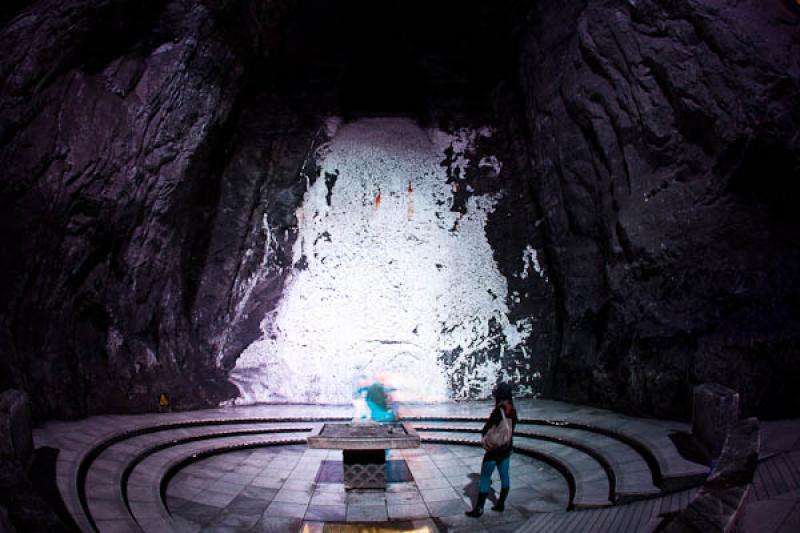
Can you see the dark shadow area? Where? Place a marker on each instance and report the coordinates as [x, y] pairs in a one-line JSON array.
[[30, 496], [767, 173], [667, 518], [10, 8], [472, 488], [381, 58], [397, 471], [42, 474], [688, 448]]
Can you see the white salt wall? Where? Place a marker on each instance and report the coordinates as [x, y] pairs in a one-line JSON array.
[[387, 288], [530, 260]]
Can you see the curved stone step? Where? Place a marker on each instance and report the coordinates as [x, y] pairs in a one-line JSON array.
[[676, 473], [151, 436], [642, 516], [631, 477], [144, 509], [650, 438], [82, 444], [150, 509], [105, 481], [587, 478], [108, 450], [651, 435]]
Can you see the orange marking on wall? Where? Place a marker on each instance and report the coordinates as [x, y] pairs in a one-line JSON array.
[[410, 202]]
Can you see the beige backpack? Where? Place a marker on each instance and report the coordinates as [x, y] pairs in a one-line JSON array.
[[498, 436]]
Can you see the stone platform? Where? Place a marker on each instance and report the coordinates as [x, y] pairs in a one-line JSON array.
[[249, 469]]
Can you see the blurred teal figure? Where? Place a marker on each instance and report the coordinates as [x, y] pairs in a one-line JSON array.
[[377, 398]]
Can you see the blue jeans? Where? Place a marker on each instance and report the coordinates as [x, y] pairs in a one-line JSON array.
[[486, 473]]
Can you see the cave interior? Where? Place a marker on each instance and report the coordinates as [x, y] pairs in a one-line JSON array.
[[629, 168], [247, 204]]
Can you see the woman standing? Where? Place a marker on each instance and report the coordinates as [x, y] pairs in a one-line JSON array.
[[496, 458]]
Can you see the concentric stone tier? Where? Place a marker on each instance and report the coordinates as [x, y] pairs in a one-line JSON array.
[[120, 473]]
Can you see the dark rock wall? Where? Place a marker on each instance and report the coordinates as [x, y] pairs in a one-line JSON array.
[[250, 244], [664, 149], [511, 229], [114, 120], [517, 224]]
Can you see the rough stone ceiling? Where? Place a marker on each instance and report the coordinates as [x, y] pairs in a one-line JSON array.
[[393, 57]]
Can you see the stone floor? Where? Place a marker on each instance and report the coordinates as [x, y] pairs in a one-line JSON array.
[[774, 503], [255, 489], [248, 469]]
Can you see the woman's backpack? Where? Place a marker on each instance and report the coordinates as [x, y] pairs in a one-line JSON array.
[[498, 436]]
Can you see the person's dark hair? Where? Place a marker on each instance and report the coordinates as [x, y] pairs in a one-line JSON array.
[[508, 401], [502, 391]]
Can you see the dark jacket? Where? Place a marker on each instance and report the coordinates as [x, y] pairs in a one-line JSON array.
[[494, 419]]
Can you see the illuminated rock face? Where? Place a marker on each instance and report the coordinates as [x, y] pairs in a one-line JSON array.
[[387, 277]]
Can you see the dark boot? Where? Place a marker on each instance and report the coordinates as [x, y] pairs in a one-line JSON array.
[[500, 506], [478, 509]]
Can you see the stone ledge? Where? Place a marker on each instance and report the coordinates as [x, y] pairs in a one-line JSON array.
[[718, 504], [628, 471]]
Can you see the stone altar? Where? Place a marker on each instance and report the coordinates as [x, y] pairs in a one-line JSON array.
[[363, 447]]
